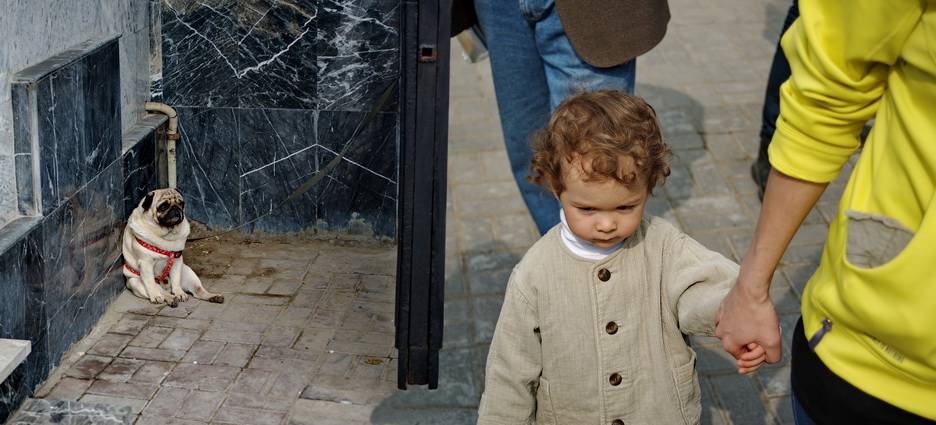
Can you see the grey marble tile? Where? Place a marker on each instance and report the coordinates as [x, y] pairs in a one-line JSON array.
[[41, 411]]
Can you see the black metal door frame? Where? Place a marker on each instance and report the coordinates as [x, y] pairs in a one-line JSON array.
[[422, 185]]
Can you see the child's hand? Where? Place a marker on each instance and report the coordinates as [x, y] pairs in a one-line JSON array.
[[752, 358]]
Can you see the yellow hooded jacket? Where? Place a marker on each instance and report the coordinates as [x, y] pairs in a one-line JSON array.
[[854, 60]]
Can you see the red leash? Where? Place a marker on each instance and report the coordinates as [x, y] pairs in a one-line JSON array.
[[171, 254]]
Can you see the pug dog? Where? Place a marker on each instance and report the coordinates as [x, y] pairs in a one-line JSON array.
[[153, 241]]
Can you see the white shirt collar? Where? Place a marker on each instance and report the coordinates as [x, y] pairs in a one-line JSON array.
[[582, 247]]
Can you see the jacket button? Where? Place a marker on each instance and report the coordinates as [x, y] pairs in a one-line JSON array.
[[611, 328], [615, 379], [617, 422], [604, 275]]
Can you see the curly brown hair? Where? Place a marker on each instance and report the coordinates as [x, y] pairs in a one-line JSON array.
[[611, 135]]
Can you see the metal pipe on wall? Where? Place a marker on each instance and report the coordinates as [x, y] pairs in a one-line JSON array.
[[171, 136]]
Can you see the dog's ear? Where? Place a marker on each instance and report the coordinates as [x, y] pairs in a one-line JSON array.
[[148, 201]]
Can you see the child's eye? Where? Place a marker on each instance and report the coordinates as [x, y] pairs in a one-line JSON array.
[[586, 209], [625, 207]]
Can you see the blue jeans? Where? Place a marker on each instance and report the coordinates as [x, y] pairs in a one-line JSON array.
[[534, 68], [800, 417]]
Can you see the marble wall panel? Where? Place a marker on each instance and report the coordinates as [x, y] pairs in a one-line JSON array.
[[298, 76], [139, 160], [361, 191], [21, 262], [277, 164], [276, 54], [22, 143], [199, 53], [208, 164], [358, 52], [73, 116]]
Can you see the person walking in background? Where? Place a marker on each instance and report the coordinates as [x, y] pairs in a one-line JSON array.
[[595, 317], [779, 72], [864, 350], [541, 51]]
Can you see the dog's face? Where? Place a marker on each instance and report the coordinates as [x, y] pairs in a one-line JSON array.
[[166, 207]]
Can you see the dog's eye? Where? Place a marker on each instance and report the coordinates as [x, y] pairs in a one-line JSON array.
[[163, 206]]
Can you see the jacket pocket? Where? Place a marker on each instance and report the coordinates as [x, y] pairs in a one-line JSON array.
[[545, 414], [687, 389], [874, 239]]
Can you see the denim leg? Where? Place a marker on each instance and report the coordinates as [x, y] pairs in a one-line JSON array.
[[566, 73], [522, 96], [800, 417]]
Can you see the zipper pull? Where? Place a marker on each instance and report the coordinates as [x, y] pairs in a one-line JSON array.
[[814, 341]]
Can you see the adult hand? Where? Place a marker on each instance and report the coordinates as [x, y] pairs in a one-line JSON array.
[[744, 318]]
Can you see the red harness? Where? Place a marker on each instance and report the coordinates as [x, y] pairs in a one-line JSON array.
[[171, 254]]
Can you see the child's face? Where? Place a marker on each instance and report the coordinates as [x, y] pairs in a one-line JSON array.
[[602, 212]]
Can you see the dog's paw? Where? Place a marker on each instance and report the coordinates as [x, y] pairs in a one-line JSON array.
[[216, 299], [157, 299], [181, 296], [172, 302]]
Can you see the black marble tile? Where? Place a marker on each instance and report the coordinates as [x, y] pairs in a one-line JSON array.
[[23, 115], [14, 279], [276, 163], [276, 54], [139, 170], [208, 164], [42, 411], [25, 192], [81, 257], [199, 53], [362, 188], [74, 105], [358, 52], [102, 103]]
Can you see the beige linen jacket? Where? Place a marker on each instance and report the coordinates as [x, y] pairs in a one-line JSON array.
[[582, 341]]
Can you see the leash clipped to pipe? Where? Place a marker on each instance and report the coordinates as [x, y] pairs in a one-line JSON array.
[[324, 171]]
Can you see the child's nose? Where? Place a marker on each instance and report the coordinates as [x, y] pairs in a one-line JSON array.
[[606, 224]]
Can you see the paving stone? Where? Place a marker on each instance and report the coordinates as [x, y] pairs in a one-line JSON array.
[[152, 372], [288, 385], [121, 369], [167, 401], [130, 324], [122, 389], [201, 405], [237, 355], [235, 415], [287, 353], [159, 420], [88, 367], [69, 388], [281, 336], [110, 344], [257, 402], [159, 354], [279, 364], [203, 352], [252, 381], [181, 323], [180, 339]]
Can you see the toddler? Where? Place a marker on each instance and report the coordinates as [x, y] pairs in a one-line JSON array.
[[595, 319]]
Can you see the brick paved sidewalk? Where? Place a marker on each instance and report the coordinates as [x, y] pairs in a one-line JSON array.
[[304, 336]]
